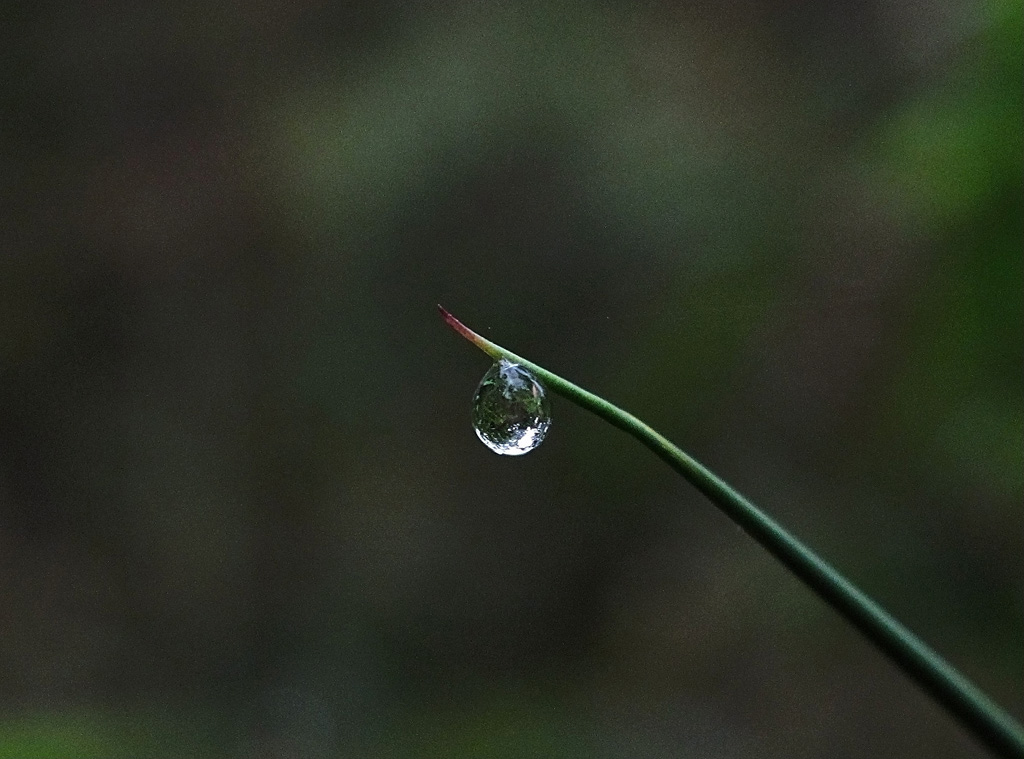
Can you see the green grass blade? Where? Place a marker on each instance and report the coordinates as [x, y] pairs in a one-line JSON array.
[[966, 702]]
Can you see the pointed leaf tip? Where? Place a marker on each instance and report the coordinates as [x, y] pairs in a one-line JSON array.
[[484, 345]]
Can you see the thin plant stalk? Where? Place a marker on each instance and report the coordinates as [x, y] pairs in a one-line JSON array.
[[981, 716]]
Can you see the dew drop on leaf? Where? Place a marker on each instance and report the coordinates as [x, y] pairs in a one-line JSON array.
[[511, 414]]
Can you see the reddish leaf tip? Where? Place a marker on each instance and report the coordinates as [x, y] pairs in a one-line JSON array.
[[458, 326]]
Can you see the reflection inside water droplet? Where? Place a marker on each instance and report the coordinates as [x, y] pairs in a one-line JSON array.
[[511, 415]]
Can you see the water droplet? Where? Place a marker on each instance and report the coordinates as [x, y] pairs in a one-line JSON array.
[[511, 415]]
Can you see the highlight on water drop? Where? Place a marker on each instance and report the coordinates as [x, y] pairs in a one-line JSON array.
[[511, 414]]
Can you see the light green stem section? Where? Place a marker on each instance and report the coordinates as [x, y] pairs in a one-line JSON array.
[[976, 712]]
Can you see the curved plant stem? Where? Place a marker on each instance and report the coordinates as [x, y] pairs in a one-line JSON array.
[[975, 711]]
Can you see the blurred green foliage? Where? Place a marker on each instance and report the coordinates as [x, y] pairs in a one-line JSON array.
[[242, 512]]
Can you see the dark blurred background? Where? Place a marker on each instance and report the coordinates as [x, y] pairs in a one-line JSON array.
[[242, 510]]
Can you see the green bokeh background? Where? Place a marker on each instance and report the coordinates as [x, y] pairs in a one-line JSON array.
[[242, 512]]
